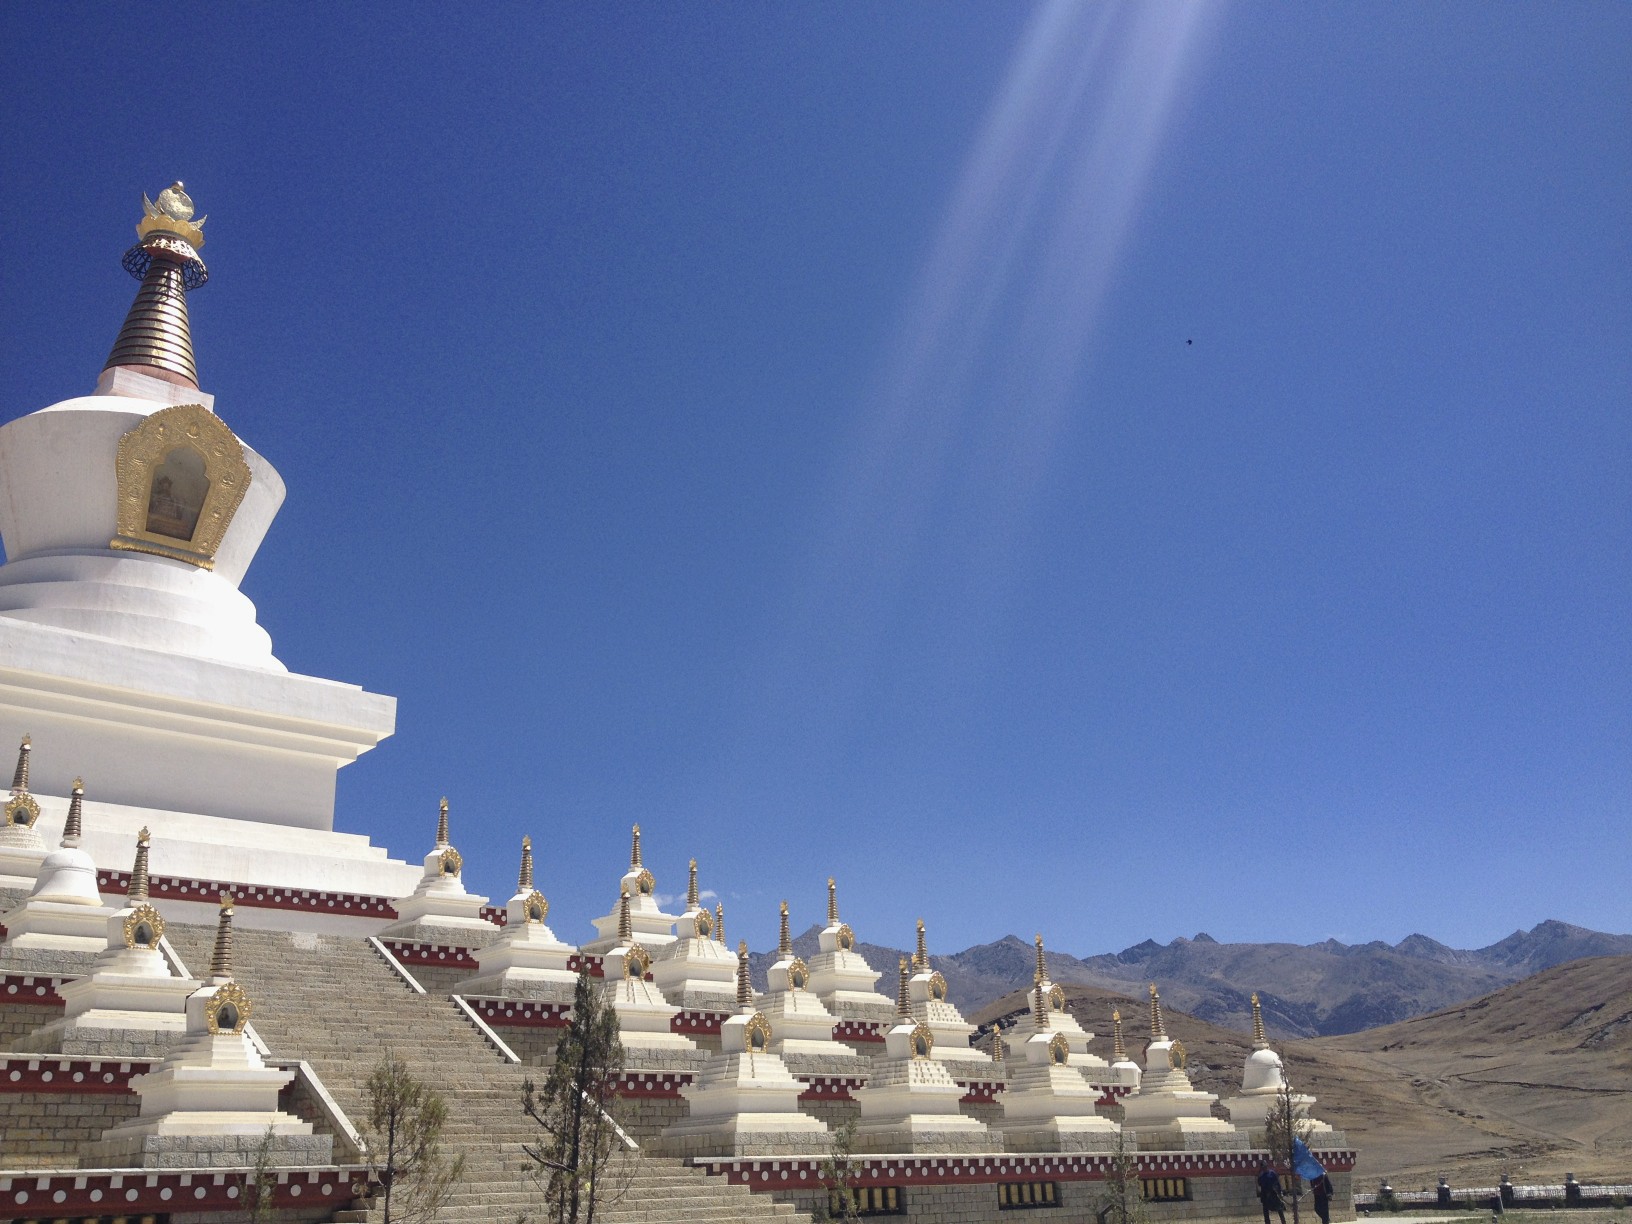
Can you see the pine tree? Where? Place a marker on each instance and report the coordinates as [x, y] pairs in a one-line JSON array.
[[406, 1118], [1283, 1124]]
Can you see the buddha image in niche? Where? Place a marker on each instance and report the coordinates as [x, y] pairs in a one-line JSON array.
[[177, 494]]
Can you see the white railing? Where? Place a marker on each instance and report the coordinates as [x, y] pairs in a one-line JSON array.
[[402, 969]]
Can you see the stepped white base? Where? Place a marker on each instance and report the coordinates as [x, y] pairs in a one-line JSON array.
[[745, 1105], [57, 926], [118, 1000]]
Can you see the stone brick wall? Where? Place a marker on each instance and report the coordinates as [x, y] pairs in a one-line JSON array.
[[17, 1020], [52, 1129]]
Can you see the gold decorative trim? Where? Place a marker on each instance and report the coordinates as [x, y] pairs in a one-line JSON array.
[[143, 915], [1059, 1050], [237, 998], [1056, 998], [756, 1035], [637, 962], [645, 883], [798, 974], [1179, 1055], [937, 987], [535, 908], [24, 804], [451, 862], [846, 938], [703, 924], [923, 1043], [144, 450]]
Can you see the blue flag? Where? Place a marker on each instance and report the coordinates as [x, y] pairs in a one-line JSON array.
[[1304, 1162]]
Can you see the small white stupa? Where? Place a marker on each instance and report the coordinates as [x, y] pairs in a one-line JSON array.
[[745, 1102], [911, 1102], [129, 999], [440, 910], [1049, 1106], [645, 1017], [1124, 1073], [1168, 1104], [212, 1100], [64, 912], [932, 1009], [803, 1027], [697, 971], [1059, 1021], [526, 961], [652, 927], [841, 977], [1262, 1079], [22, 849]]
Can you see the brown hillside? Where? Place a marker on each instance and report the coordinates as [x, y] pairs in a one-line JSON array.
[[1535, 1077]]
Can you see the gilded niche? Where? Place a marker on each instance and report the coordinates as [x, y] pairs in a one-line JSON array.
[[182, 476]]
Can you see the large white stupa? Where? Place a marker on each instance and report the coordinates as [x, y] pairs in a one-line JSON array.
[[127, 651]]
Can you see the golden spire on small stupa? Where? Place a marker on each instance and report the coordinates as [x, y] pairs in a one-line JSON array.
[[156, 338], [745, 989], [784, 941], [137, 892], [920, 958], [1119, 1052], [73, 827], [903, 998], [626, 929], [719, 921], [524, 879], [1041, 973], [1259, 1041], [19, 780], [1039, 1009], [997, 1042], [221, 960], [634, 849], [442, 823], [832, 902], [691, 886], [1157, 1032]]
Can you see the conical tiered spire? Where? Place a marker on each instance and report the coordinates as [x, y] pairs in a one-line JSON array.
[[1041, 973], [745, 989], [903, 996], [156, 338], [524, 881], [784, 941], [719, 921], [73, 827], [1259, 1041], [1039, 1007], [137, 892], [997, 1042], [1119, 1052], [920, 958], [691, 886], [832, 902], [19, 780], [221, 960], [1157, 1032], [442, 824], [634, 850], [626, 928]]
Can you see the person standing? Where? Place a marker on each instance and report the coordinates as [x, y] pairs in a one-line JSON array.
[[1322, 1188], [1269, 1191]]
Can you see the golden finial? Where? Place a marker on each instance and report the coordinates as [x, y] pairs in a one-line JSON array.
[[1119, 1052], [221, 961], [156, 337], [920, 958], [137, 892], [832, 902], [74, 825], [745, 989], [691, 886], [997, 1042], [784, 941], [903, 999], [19, 780], [1259, 1041], [442, 823], [524, 880], [719, 921], [1042, 969], [1157, 1032], [626, 929], [634, 850]]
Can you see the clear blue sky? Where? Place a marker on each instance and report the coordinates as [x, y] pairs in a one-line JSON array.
[[1113, 471]]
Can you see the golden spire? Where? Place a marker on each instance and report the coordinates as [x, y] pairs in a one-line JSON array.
[[156, 338], [1039, 1009], [524, 881], [74, 825], [997, 1042], [903, 999], [1042, 968], [1157, 1032], [784, 941], [832, 902], [19, 780], [221, 961], [634, 850], [920, 958], [1119, 1052], [1259, 1041], [691, 887], [442, 823], [745, 989], [626, 929], [719, 921], [137, 891]]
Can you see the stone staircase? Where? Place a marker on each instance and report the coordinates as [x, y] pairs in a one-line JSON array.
[[334, 1002]]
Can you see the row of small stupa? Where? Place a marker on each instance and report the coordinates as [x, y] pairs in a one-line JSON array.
[[744, 1097]]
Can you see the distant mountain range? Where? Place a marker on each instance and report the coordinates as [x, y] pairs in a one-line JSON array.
[[1309, 990]]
